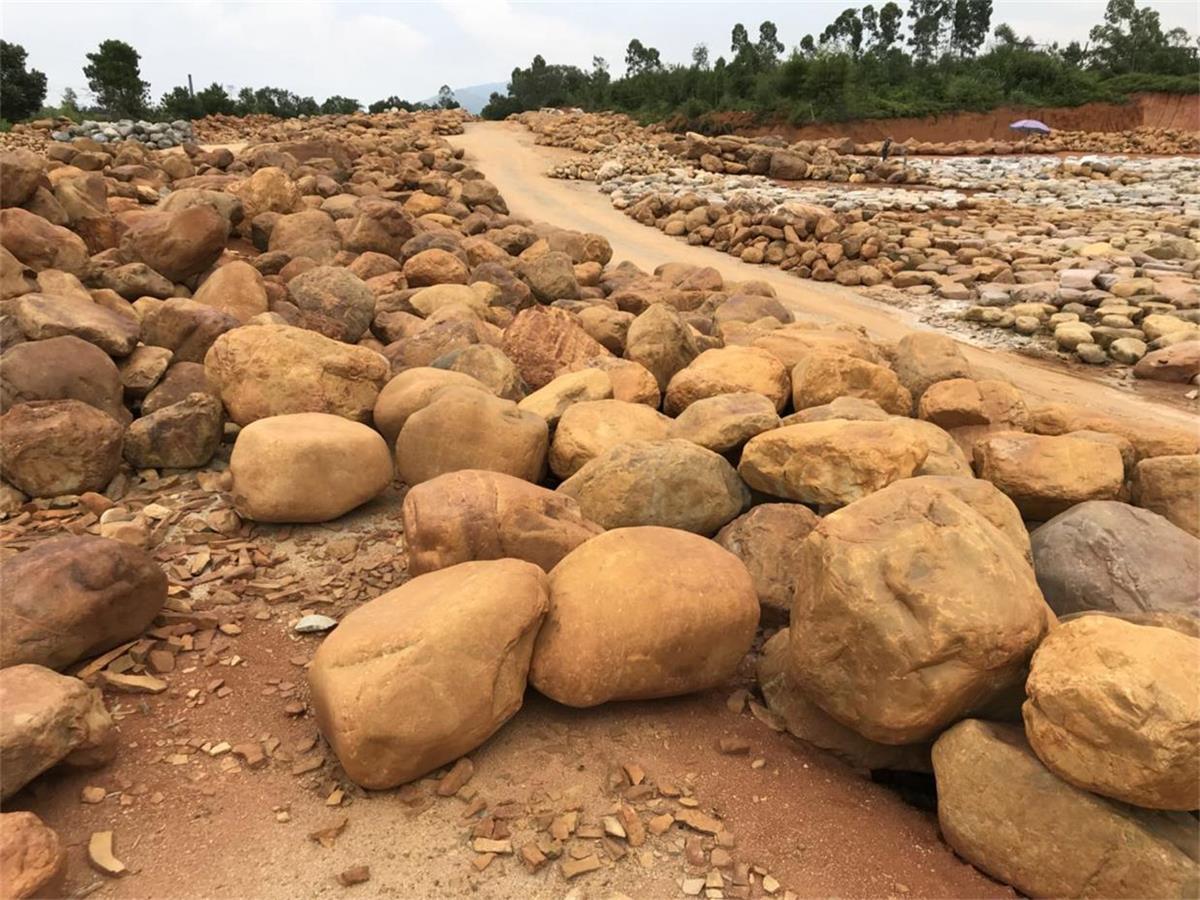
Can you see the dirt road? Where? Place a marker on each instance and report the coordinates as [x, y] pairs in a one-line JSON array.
[[507, 154]]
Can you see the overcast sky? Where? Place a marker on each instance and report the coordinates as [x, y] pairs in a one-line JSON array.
[[372, 50]]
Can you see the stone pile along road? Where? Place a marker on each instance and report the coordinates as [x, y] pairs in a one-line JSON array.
[[358, 527]]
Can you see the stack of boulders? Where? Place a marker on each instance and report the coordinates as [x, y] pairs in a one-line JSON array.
[[613, 476], [225, 129], [158, 135]]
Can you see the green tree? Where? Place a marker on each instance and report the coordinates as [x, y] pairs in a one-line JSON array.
[[446, 99], [970, 24], [22, 91], [69, 104], [891, 18], [700, 56], [178, 103], [929, 21], [640, 59], [215, 100], [769, 46], [846, 31], [115, 78], [337, 105]]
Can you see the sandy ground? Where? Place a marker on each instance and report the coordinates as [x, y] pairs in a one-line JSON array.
[[507, 154]]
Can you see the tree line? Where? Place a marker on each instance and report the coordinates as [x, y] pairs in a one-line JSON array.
[[114, 79], [938, 56]]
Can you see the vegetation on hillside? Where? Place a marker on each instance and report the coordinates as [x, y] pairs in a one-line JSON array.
[[870, 62]]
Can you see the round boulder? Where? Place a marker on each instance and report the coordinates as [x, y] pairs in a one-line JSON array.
[[465, 428], [69, 598], [767, 540], [306, 467], [914, 612], [638, 613], [473, 514], [592, 428], [32, 857], [411, 390], [417, 677], [53, 447], [1113, 708], [728, 370], [61, 368], [671, 483], [333, 301]]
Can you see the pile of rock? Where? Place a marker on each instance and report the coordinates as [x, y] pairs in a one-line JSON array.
[[223, 129], [159, 135], [584, 444]]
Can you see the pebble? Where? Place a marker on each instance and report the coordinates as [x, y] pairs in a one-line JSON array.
[[314, 624]]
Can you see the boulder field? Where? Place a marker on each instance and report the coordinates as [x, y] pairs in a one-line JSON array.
[[611, 484]]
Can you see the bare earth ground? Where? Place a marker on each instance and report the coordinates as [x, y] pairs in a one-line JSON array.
[[189, 824], [507, 154]]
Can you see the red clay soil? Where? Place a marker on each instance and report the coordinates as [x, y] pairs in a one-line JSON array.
[[1181, 111]]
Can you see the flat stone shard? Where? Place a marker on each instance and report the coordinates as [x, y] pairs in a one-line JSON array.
[[913, 611], [1000, 809], [1113, 709], [638, 613], [475, 515], [69, 598], [424, 674], [306, 467], [47, 719]]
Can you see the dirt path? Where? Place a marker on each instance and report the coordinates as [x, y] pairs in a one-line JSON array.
[[507, 154]]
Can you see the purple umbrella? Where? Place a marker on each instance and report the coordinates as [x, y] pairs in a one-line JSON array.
[[1030, 126]]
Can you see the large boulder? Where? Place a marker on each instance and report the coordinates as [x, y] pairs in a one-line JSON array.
[[40, 245], [421, 675], [638, 613], [543, 340], [924, 358], [379, 226], [43, 316], [592, 428], [61, 368], [960, 402], [983, 497], [184, 435], [333, 301], [22, 176], [33, 859], [47, 719], [767, 540], [806, 720], [1000, 809], [187, 328], [271, 370], [53, 447], [411, 390], [582, 386], [1170, 486], [1113, 709], [671, 483], [69, 598], [473, 514], [832, 462], [821, 378], [464, 428], [1179, 363], [178, 245], [269, 189], [1110, 556], [661, 341], [306, 467], [179, 381], [724, 422], [1046, 475], [434, 266], [728, 370], [237, 289], [312, 234], [913, 611], [551, 277], [489, 366]]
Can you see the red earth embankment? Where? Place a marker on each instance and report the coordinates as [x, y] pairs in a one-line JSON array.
[[1180, 111]]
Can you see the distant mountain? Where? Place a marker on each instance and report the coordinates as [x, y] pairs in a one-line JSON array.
[[475, 97]]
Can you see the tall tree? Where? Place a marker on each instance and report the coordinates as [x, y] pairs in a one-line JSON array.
[[69, 102], [640, 59], [769, 46], [929, 19], [739, 39], [891, 19], [337, 105], [446, 98], [846, 32], [114, 76], [22, 91], [215, 100], [970, 24], [700, 56]]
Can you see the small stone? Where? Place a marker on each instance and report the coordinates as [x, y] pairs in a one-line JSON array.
[[133, 684], [488, 845], [483, 861], [733, 746], [693, 886], [635, 773], [218, 749], [575, 867], [698, 821], [720, 858], [251, 753], [335, 797], [456, 778], [92, 794], [328, 836], [563, 826], [100, 855], [758, 763], [314, 624], [660, 824], [737, 701], [532, 857], [613, 827], [354, 875], [770, 884]]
